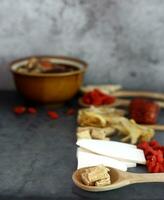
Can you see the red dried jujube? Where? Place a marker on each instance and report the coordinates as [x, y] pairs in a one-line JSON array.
[[144, 111]]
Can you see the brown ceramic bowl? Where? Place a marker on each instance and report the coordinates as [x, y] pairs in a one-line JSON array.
[[49, 87]]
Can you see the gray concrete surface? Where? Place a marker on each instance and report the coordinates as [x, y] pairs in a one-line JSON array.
[[38, 157], [121, 40]]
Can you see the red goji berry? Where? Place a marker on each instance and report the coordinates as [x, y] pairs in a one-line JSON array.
[[156, 168], [32, 110], [161, 167], [154, 156], [143, 145], [154, 144], [159, 156], [97, 98], [71, 111], [53, 115], [150, 166], [19, 110], [109, 100]]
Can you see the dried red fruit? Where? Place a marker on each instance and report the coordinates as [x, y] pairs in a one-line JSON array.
[[46, 64], [143, 111], [71, 111], [96, 98], [32, 110], [154, 144], [159, 156], [154, 156], [19, 110], [53, 115], [156, 168]]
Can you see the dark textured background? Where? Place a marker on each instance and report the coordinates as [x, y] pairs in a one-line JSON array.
[[121, 40]]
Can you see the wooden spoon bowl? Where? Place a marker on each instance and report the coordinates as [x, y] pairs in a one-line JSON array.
[[118, 179]]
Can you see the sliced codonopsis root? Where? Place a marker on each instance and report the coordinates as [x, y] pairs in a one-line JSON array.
[[108, 131]]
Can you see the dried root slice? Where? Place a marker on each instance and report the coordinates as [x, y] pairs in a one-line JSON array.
[[94, 176], [98, 175], [132, 131], [107, 110], [99, 168], [108, 131], [102, 119], [103, 182], [84, 134], [32, 62], [106, 138], [87, 118], [107, 89], [85, 180], [97, 135], [98, 116], [94, 133]]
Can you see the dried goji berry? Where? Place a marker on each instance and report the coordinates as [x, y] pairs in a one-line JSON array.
[[154, 156], [159, 156], [71, 111], [161, 167], [19, 110], [97, 98], [156, 168], [150, 167], [53, 114], [154, 144], [32, 110], [143, 145]]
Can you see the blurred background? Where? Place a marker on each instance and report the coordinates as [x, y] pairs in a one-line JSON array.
[[122, 41]]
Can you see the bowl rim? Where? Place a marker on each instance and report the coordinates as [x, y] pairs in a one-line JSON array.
[[81, 70]]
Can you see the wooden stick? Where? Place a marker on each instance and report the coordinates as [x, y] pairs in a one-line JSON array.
[[157, 127], [119, 102], [152, 95]]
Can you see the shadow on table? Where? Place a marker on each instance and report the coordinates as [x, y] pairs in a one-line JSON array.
[[131, 192], [40, 198]]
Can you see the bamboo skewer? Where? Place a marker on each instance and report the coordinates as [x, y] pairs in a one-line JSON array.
[[156, 127], [126, 93], [120, 102]]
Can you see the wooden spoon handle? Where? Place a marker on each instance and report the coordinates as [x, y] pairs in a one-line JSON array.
[[156, 127], [144, 178], [124, 93], [120, 102], [126, 102]]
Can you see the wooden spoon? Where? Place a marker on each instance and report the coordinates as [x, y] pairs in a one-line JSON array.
[[118, 102], [126, 93], [118, 179]]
